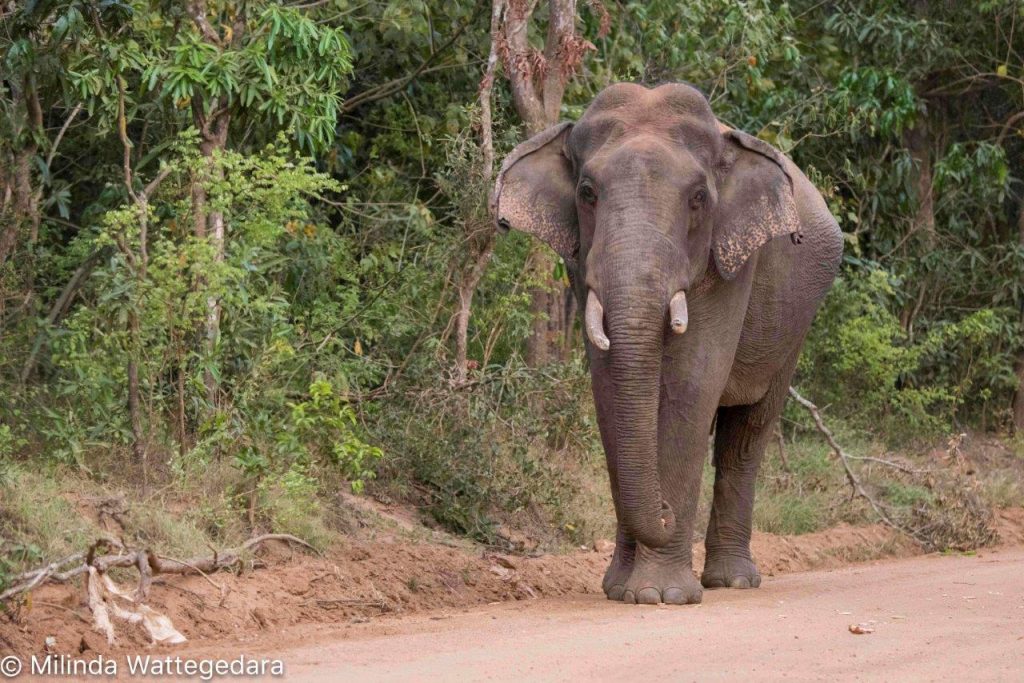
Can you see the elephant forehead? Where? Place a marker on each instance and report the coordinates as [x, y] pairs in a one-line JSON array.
[[682, 97], [673, 112]]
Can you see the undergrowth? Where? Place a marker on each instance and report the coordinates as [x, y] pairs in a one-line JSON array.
[[512, 459]]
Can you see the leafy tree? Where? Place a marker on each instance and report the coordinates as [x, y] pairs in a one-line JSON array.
[[254, 232]]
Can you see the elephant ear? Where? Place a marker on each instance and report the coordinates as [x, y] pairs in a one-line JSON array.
[[535, 192], [755, 202]]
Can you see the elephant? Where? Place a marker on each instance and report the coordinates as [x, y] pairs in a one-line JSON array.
[[698, 255]]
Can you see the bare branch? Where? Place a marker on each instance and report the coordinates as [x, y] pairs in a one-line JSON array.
[[60, 134], [197, 12], [153, 184], [60, 307], [143, 560], [1010, 123], [486, 87], [851, 476]]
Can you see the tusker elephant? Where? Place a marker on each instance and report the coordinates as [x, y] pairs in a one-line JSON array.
[[699, 255]]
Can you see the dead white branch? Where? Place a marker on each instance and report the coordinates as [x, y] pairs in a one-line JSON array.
[[142, 560]]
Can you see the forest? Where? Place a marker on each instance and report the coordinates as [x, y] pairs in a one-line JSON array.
[[248, 270]]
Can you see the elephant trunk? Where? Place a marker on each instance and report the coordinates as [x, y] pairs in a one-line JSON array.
[[635, 318]]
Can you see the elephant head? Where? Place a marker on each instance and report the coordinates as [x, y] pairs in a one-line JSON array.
[[640, 197]]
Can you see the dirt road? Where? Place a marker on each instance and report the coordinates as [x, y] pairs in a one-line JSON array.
[[935, 618]]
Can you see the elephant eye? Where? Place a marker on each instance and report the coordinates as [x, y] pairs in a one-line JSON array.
[[587, 193], [698, 199]]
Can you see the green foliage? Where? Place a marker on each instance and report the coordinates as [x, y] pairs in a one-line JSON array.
[[324, 420], [487, 456], [335, 289], [9, 445], [13, 556], [858, 360], [907, 495], [292, 504], [787, 513], [288, 68]]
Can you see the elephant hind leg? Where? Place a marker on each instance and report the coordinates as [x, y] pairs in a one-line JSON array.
[[741, 435]]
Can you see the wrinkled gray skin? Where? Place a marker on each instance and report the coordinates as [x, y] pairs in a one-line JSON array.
[[646, 196]]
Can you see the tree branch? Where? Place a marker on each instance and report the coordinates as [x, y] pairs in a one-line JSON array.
[[157, 564], [851, 476], [391, 87], [59, 308], [60, 134], [197, 12]]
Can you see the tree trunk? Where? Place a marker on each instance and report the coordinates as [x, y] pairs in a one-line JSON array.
[[538, 101], [918, 142], [179, 417], [548, 333], [24, 200], [210, 224], [479, 239], [569, 310], [213, 127], [467, 288], [135, 415]]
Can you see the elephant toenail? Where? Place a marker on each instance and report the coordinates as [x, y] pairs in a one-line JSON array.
[[648, 596], [739, 582], [755, 582], [711, 582], [628, 598], [674, 596], [616, 592]]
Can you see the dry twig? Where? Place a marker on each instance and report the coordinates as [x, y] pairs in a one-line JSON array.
[[851, 476], [148, 563]]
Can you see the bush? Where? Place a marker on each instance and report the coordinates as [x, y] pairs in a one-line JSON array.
[[860, 362], [516, 448]]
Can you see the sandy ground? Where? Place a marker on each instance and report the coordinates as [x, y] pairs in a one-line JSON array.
[[384, 580], [391, 608], [934, 618]]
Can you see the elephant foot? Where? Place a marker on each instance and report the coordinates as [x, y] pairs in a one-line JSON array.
[[729, 571], [672, 584], [617, 574]]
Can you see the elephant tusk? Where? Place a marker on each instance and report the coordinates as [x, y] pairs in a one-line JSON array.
[[594, 320], [678, 316]]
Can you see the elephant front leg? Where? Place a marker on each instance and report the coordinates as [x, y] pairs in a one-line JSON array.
[[741, 435], [621, 566], [665, 575]]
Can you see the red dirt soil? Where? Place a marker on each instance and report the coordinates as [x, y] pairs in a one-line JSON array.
[[364, 580]]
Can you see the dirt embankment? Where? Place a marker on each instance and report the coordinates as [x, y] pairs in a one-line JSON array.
[[378, 579]]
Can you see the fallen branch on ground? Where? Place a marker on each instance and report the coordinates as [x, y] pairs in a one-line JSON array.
[[851, 476], [107, 600], [146, 561], [331, 603]]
